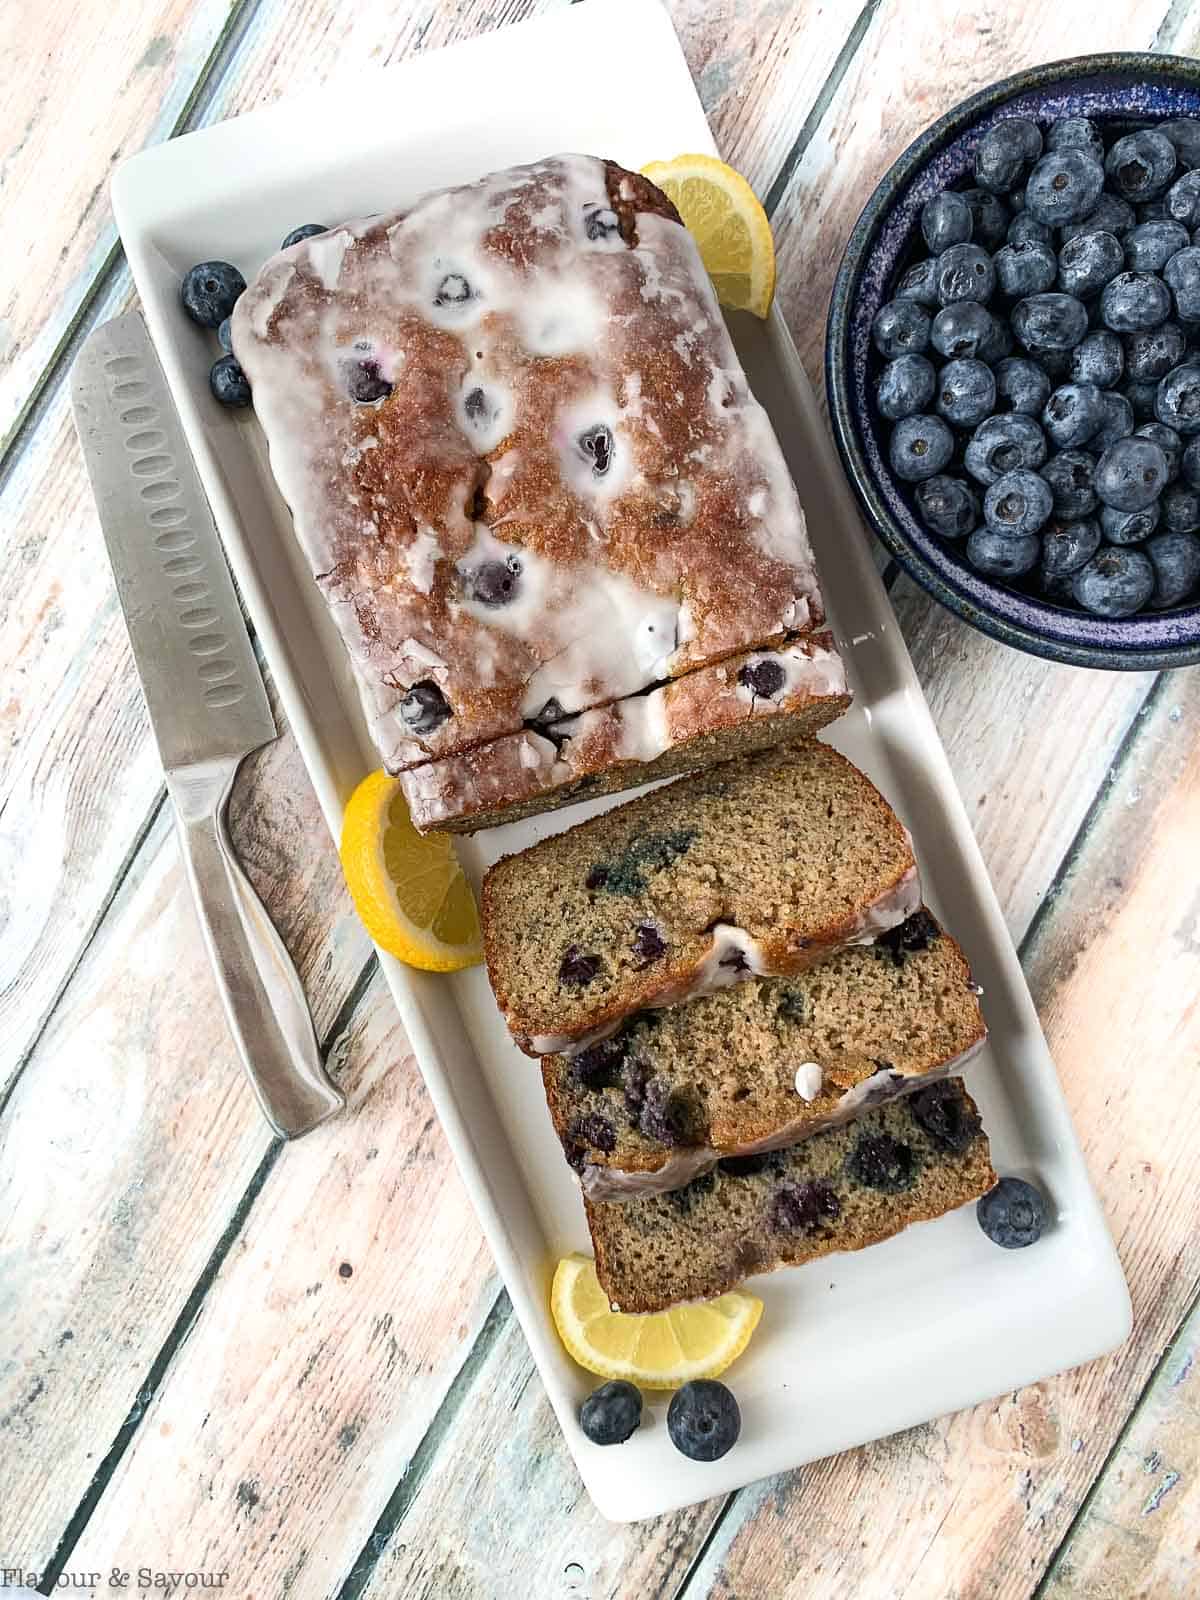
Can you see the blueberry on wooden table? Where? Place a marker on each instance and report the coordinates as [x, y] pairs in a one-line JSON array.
[[1141, 165], [1017, 504], [1116, 582], [209, 292], [1175, 558], [1021, 385], [920, 447], [906, 386], [1067, 546], [703, 1420], [998, 556], [1064, 187], [945, 220], [1069, 475], [947, 506], [1075, 133], [229, 383], [1098, 358], [307, 230], [1013, 1214], [612, 1413], [1129, 527]]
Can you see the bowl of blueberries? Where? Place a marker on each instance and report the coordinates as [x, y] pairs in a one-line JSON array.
[[1013, 361]]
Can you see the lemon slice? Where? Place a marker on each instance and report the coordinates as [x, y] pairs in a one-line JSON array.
[[662, 1350], [724, 217], [408, 888]]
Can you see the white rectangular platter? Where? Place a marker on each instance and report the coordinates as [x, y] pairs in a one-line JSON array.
[[852, 1347]]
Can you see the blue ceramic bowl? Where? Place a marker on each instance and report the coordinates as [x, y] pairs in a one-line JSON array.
[[1117, 92]]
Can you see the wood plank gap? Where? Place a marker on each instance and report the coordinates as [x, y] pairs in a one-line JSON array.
[[122, 872], [820, 105], [1099, 803], [1169, 29], [1170, 1348], [702, 1550], [208, 80], [406, 1490]]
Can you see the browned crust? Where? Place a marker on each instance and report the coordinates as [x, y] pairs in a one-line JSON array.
[[784, 955]]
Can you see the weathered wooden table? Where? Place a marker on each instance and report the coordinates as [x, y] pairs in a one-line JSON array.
[[296, 1366]]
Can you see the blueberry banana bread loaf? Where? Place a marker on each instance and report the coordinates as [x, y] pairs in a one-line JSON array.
[[763, 865], [748, 702], [765, 1064], [844, 1189], [521, 454]]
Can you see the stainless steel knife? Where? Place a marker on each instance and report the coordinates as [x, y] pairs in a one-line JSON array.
[[205, 696]]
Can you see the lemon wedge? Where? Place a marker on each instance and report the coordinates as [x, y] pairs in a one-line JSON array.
[[723, 215], [408, 888], [662, 1350]]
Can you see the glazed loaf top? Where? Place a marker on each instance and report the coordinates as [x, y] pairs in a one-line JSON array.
[[520, 453]]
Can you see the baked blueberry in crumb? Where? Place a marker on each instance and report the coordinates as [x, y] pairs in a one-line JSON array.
[[599, 1066], [1013, 1214], [550, 712], [791, 1004], [703, 1420], [917, 932], [684, 1200], [424, 708], [635, 1078], [627, 873], [945, 1116], [596, 443], [648, 944], [804, 1207], [763, 678], [476, 406], [494, 583], [883, 1163], [576, 968], [599, 222], [611, 1413], [744, 1166], [454, 290], [735, 961], [664, 1114], [365, 383], [592, 1131]]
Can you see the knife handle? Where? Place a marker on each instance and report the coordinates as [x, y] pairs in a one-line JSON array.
[[260, 988]]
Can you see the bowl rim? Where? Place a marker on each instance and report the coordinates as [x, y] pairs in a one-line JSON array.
[[842, 405]]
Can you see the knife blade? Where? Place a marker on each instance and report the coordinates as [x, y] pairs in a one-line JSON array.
[[204, 693]]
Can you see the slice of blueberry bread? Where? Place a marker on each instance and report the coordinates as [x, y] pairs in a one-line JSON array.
[[844, 1189], [764, 1064], [759, 698], [760, 866]]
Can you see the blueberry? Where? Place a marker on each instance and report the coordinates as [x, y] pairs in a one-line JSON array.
[[1141, 165], [703, 1420], [1013, 1214], [1088, 261], [1073, 414], [1064, 186], [1150, 245], [1115, 583], [424, 708], [1005, 154], [599, 222], [1017, 504], [1110, 214], [1177, 400], [900, 328], [1067, 546], [804, 1207], [1098, 358], [308, 230], [1183, 200], [1128, 527], [880, 1162], [494, 583], [966, 392], [1134, 300], [1021, 385], [635, 1082], [963, 329], [209, 292], [611, 1413], [1180, 509], [1167, 440], [1001, 444], [1175, 558], [1075, 133], [919, 283], [596, 443], [453, 290], [1184, 135], [1131, 474], [225, 336], [365, 383], [906, 386], [1117, 424], [648, 944], [1182, 275], [997, 556], [945, 220], [989, 217], [1069, 476], [1050, 321], [599, 1066], [965, 272], [1141, 397], [918, 932], [592, 1131], [942, 1111], [229, 383], [1027, 268], [1152, 352], [948, 506], [1153, 211], [578, 969], [1025, 229], [920, 446], [665, 1113], [1055, 586], [1189, 463]]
